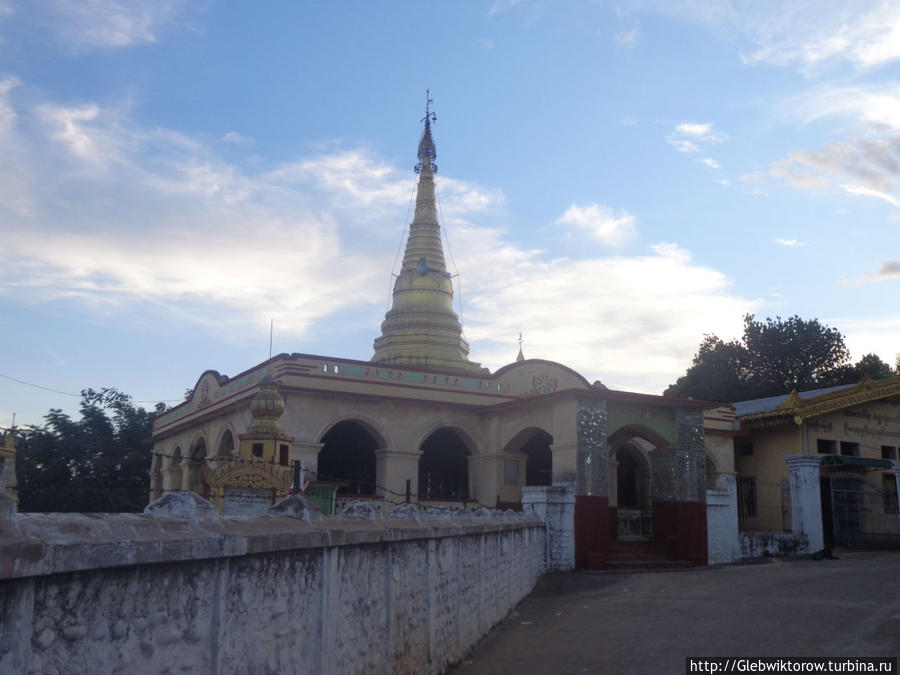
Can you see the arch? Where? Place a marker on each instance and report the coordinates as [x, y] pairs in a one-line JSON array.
[[196, 478], [156, 476], [348, 456], [534, 443], [368, 423], [457, 427], [174, 473], [624, 434], [444, 465], [632, 478], [225, 447]]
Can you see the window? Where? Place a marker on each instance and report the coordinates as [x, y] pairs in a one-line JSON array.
[[826, 447], [510, 472], [889, 490], [744, 448], [888, 452], [849, 449], [284, 453], [746, 496], [257, 449]]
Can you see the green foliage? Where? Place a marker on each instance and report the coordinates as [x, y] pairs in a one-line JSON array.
[[773, 357], [99, 463]]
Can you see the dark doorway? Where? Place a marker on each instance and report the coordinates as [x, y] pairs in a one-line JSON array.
[[348, 456], [627, 477], [539, 467], [444, 467]]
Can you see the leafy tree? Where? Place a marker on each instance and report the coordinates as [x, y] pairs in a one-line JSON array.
[[773, 357], [99, 463]]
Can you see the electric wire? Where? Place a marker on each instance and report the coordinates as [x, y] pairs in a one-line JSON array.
[[443, 224], [319, 477], [67, 393]]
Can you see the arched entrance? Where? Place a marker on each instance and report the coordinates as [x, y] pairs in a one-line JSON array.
[[534, 443], [444, 467], [631, 497], [196, 465], [348, 456], [226, 445]]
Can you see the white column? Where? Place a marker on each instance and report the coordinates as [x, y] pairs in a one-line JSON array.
[[393, 469], [555, 504], [896, 472], [308, 454], [806, 500]]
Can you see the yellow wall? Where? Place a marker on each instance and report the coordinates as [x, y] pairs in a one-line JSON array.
[[870, 425]]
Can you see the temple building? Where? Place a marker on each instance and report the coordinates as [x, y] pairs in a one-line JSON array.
[[421, 422], [845, 438]]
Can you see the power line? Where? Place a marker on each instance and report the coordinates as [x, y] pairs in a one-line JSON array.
[[68, 393]]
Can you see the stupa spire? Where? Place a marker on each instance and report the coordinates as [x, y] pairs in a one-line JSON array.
[[421, 329]]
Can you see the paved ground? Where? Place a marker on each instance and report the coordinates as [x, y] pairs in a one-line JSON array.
[[649, 622]]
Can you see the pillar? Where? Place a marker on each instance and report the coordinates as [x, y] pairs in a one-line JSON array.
[[806, 499], [679, 503], [591, 485], [896, 471], [555, 505], [307, 453], [392, 469]]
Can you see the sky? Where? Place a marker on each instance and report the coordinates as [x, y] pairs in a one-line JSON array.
[[616, 180]]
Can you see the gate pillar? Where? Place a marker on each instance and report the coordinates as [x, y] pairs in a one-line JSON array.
[[591, 486], [679, 503], [896, 471], [806, 499]]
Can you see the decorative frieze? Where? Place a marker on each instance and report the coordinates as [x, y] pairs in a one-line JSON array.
[[593, 449], [679, 474]]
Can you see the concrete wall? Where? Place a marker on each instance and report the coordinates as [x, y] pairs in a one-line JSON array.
[[555, 505], [180, 589], [723, 541]]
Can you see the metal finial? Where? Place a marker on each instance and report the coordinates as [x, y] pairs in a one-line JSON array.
[[429, 116], [427, 152]]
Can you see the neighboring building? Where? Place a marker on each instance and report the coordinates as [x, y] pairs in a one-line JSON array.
[[8, 484], [420, 420], [852, 431]]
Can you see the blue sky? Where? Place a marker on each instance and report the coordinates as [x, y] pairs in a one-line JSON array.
[[616, 180]]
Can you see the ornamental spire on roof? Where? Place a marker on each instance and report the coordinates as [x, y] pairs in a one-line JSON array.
[[421, 329]]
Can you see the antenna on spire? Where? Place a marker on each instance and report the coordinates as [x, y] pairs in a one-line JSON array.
[[427, 152], [429, 116], [521, 356]]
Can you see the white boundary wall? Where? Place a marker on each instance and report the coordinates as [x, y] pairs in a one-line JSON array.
[[181, 589]]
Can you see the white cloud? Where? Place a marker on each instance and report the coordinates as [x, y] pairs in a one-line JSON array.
[[633, 322], [85, 25], [864, 336], [691, 136], [683, 145], [710, 162], [629, 121], [698, 130], [798, 33], [864, 33], [179, 234], [501, 7], [235, 138], [889, 270], [629, 38], [875, 106], [790, 243], [612, 227]]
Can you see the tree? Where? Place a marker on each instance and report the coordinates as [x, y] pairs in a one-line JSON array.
[[99, 463], [773, 357]]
